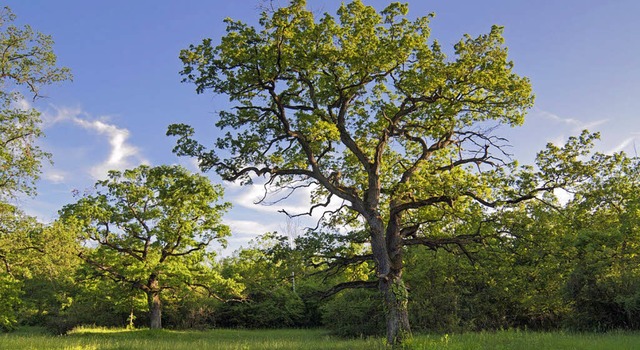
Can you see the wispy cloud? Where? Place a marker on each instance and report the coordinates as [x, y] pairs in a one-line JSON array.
[[250, 228], [54, 176], [243, 232], [122, 154], [22, 104], [559, 140], [298, 202], [624, 144], [575, 124]]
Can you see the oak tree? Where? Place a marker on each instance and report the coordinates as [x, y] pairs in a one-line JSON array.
[[151, 227], [27, 63], [368, 111]]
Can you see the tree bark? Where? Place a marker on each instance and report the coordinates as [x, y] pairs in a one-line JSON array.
[[387, 251], [155, 310], [396, 298], [155, 304]]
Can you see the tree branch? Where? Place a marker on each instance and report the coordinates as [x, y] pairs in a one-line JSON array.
[[348, 285]]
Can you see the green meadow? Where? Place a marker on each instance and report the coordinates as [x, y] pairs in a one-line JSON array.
[[100, 338]]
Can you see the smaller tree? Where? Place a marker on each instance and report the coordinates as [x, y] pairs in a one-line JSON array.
[[152, 227]]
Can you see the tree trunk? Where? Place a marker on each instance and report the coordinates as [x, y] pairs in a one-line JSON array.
[[155, 304], [155, 310], [396, 298], [387, 251]]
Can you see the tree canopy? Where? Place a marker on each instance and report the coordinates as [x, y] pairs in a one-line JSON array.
[[27, 63], [365, 108], [152, 227]]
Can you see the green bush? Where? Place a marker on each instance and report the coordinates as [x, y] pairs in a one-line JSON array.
[[355, 313], [192, 311], [276, 308], [10, 292], [602, 303]]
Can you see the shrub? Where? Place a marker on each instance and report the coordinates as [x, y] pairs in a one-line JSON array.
[[355, 313]]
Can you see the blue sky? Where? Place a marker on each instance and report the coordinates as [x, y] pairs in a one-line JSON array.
[[583, 58]]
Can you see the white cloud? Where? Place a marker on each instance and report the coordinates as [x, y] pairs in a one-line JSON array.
[[21, 104], [54, 176], [591, 125], [122, 154], [563, 196], [190, 163], [243, 232], [62, 114], [250, 228], [559, 140], [249, 196]]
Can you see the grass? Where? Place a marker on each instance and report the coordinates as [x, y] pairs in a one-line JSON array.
[[226, 339], [507, 340], [100, 338]]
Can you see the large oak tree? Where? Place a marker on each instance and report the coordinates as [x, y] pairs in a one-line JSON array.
[[370, 112]]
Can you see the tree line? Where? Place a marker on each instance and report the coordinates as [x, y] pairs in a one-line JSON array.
[[436, 228]]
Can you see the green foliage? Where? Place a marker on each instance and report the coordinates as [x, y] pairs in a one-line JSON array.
[[99, 302], [266, 296], [365, 108], [549, 266], [605, 232], [362, 106], [192, 310], [151, 227], [27, 63], [278, 307], [354, 313], [10, 293], [40, 260]]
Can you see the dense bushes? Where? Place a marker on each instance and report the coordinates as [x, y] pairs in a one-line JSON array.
[[354, 313], [276, 308], [10, 293]]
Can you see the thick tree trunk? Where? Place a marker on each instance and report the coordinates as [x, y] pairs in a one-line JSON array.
[[396, 298], [155, 310], [386, 244], [155, 304]]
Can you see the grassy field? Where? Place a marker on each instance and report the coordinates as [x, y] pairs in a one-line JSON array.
[[92, 338]]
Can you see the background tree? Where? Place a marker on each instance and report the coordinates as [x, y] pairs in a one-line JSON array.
[[37, 263], [370, 113], [268, 298], [15, 232], [27, 63], [152, 227], [602, 242]]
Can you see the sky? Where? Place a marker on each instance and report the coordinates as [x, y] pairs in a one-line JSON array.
[[582, 57]]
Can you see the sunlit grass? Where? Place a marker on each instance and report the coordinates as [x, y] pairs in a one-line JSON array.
[[106, 338], [507, 340]]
